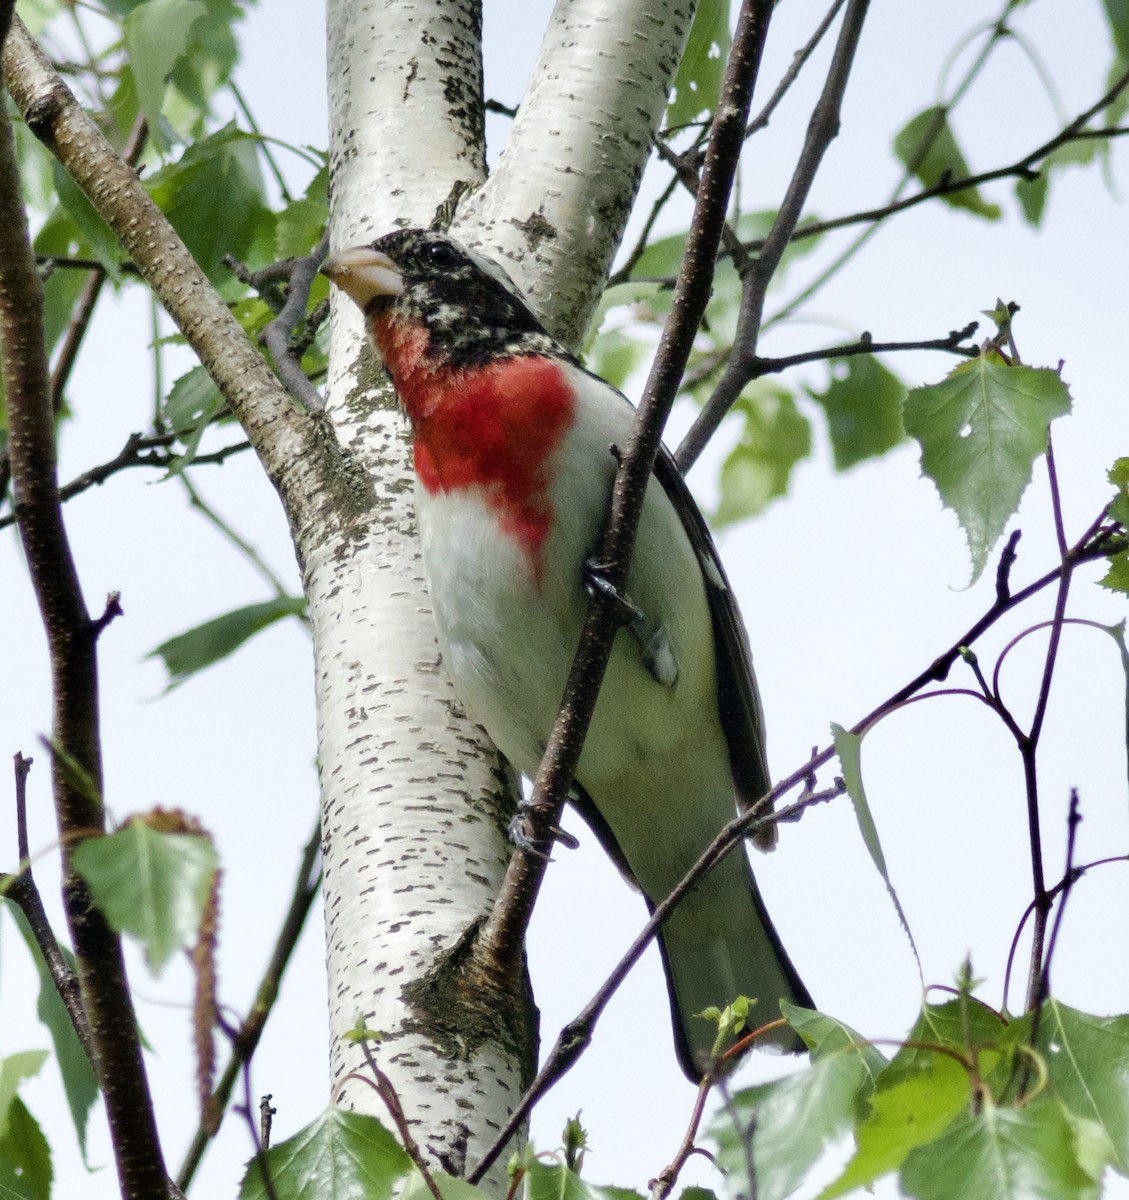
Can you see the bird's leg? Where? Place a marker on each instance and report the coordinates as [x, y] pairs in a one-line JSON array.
[[521, 839], [658, 653]]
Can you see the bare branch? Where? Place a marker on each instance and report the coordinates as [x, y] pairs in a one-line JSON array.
[[72, 638], [822, 129], [276, 336]]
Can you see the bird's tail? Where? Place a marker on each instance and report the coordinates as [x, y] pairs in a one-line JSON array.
[[719, 944]]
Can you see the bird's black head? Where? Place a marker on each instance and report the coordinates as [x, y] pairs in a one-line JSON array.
[[470, 307]]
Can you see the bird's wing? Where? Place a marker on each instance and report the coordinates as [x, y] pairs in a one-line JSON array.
[[738, 701]]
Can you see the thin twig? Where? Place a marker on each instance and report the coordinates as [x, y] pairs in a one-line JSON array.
[[795, 67], [23, 891], [246, 1040], [138, 451], [276, 336], [822, 129]]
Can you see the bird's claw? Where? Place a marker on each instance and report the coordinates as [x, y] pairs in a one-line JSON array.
[[520, 837], [598, 586]]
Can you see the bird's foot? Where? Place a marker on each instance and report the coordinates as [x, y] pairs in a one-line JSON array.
[[521, 838], [599, 587]]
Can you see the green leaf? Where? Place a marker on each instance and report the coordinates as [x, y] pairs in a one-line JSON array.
[[449, 1187], [25, 1158], [1117, 13], [156, 35], [150, 884], [774, 437], [929, 151], [198, 648], [796, 1118], [1087, 1061], [1002, 1154], [94, 231], [863, 407], [13, 1071], [341, 1156], [911, 1111], [848, 747], [79, 1083], [300, 226], [214, 198], [980, 431], [193, 401], [698, 82], [210, 56]]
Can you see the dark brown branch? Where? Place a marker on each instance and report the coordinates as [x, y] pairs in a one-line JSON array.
[[246, 1040], [71, 637], [23, 891], [822, 129], [52, 262], [500, 943]]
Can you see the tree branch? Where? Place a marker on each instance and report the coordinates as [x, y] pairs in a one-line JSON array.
[[822, 129], [72, 639], [23, 892], [138, 451], [282, 436], [501, 939]]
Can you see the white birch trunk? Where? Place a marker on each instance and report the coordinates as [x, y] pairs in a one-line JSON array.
[[555, 207], [413, 799]]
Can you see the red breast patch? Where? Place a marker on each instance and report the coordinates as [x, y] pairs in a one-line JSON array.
[[492, 427]]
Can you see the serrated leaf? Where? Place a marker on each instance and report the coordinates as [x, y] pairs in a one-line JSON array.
[[213, 195], [1001, 1154], [341, 1156], [150, 884], [206, 644], [980, 431], [156, 35], [210, 56], [774, 437], [911, 1111], [79, 1083], [863, 407], [798, 1117], [25, 1158], [1087, 1060], [928, 150], [13, 1071], [848, 748], [698, 82]]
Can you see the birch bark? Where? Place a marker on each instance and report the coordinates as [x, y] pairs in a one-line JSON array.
[[415, 800]]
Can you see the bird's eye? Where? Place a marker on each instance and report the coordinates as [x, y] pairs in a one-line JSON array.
[[442, 254]]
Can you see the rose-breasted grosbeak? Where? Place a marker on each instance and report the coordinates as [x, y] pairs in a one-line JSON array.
[[512, 441]]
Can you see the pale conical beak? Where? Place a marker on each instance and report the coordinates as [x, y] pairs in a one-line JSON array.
[[363, 273]]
